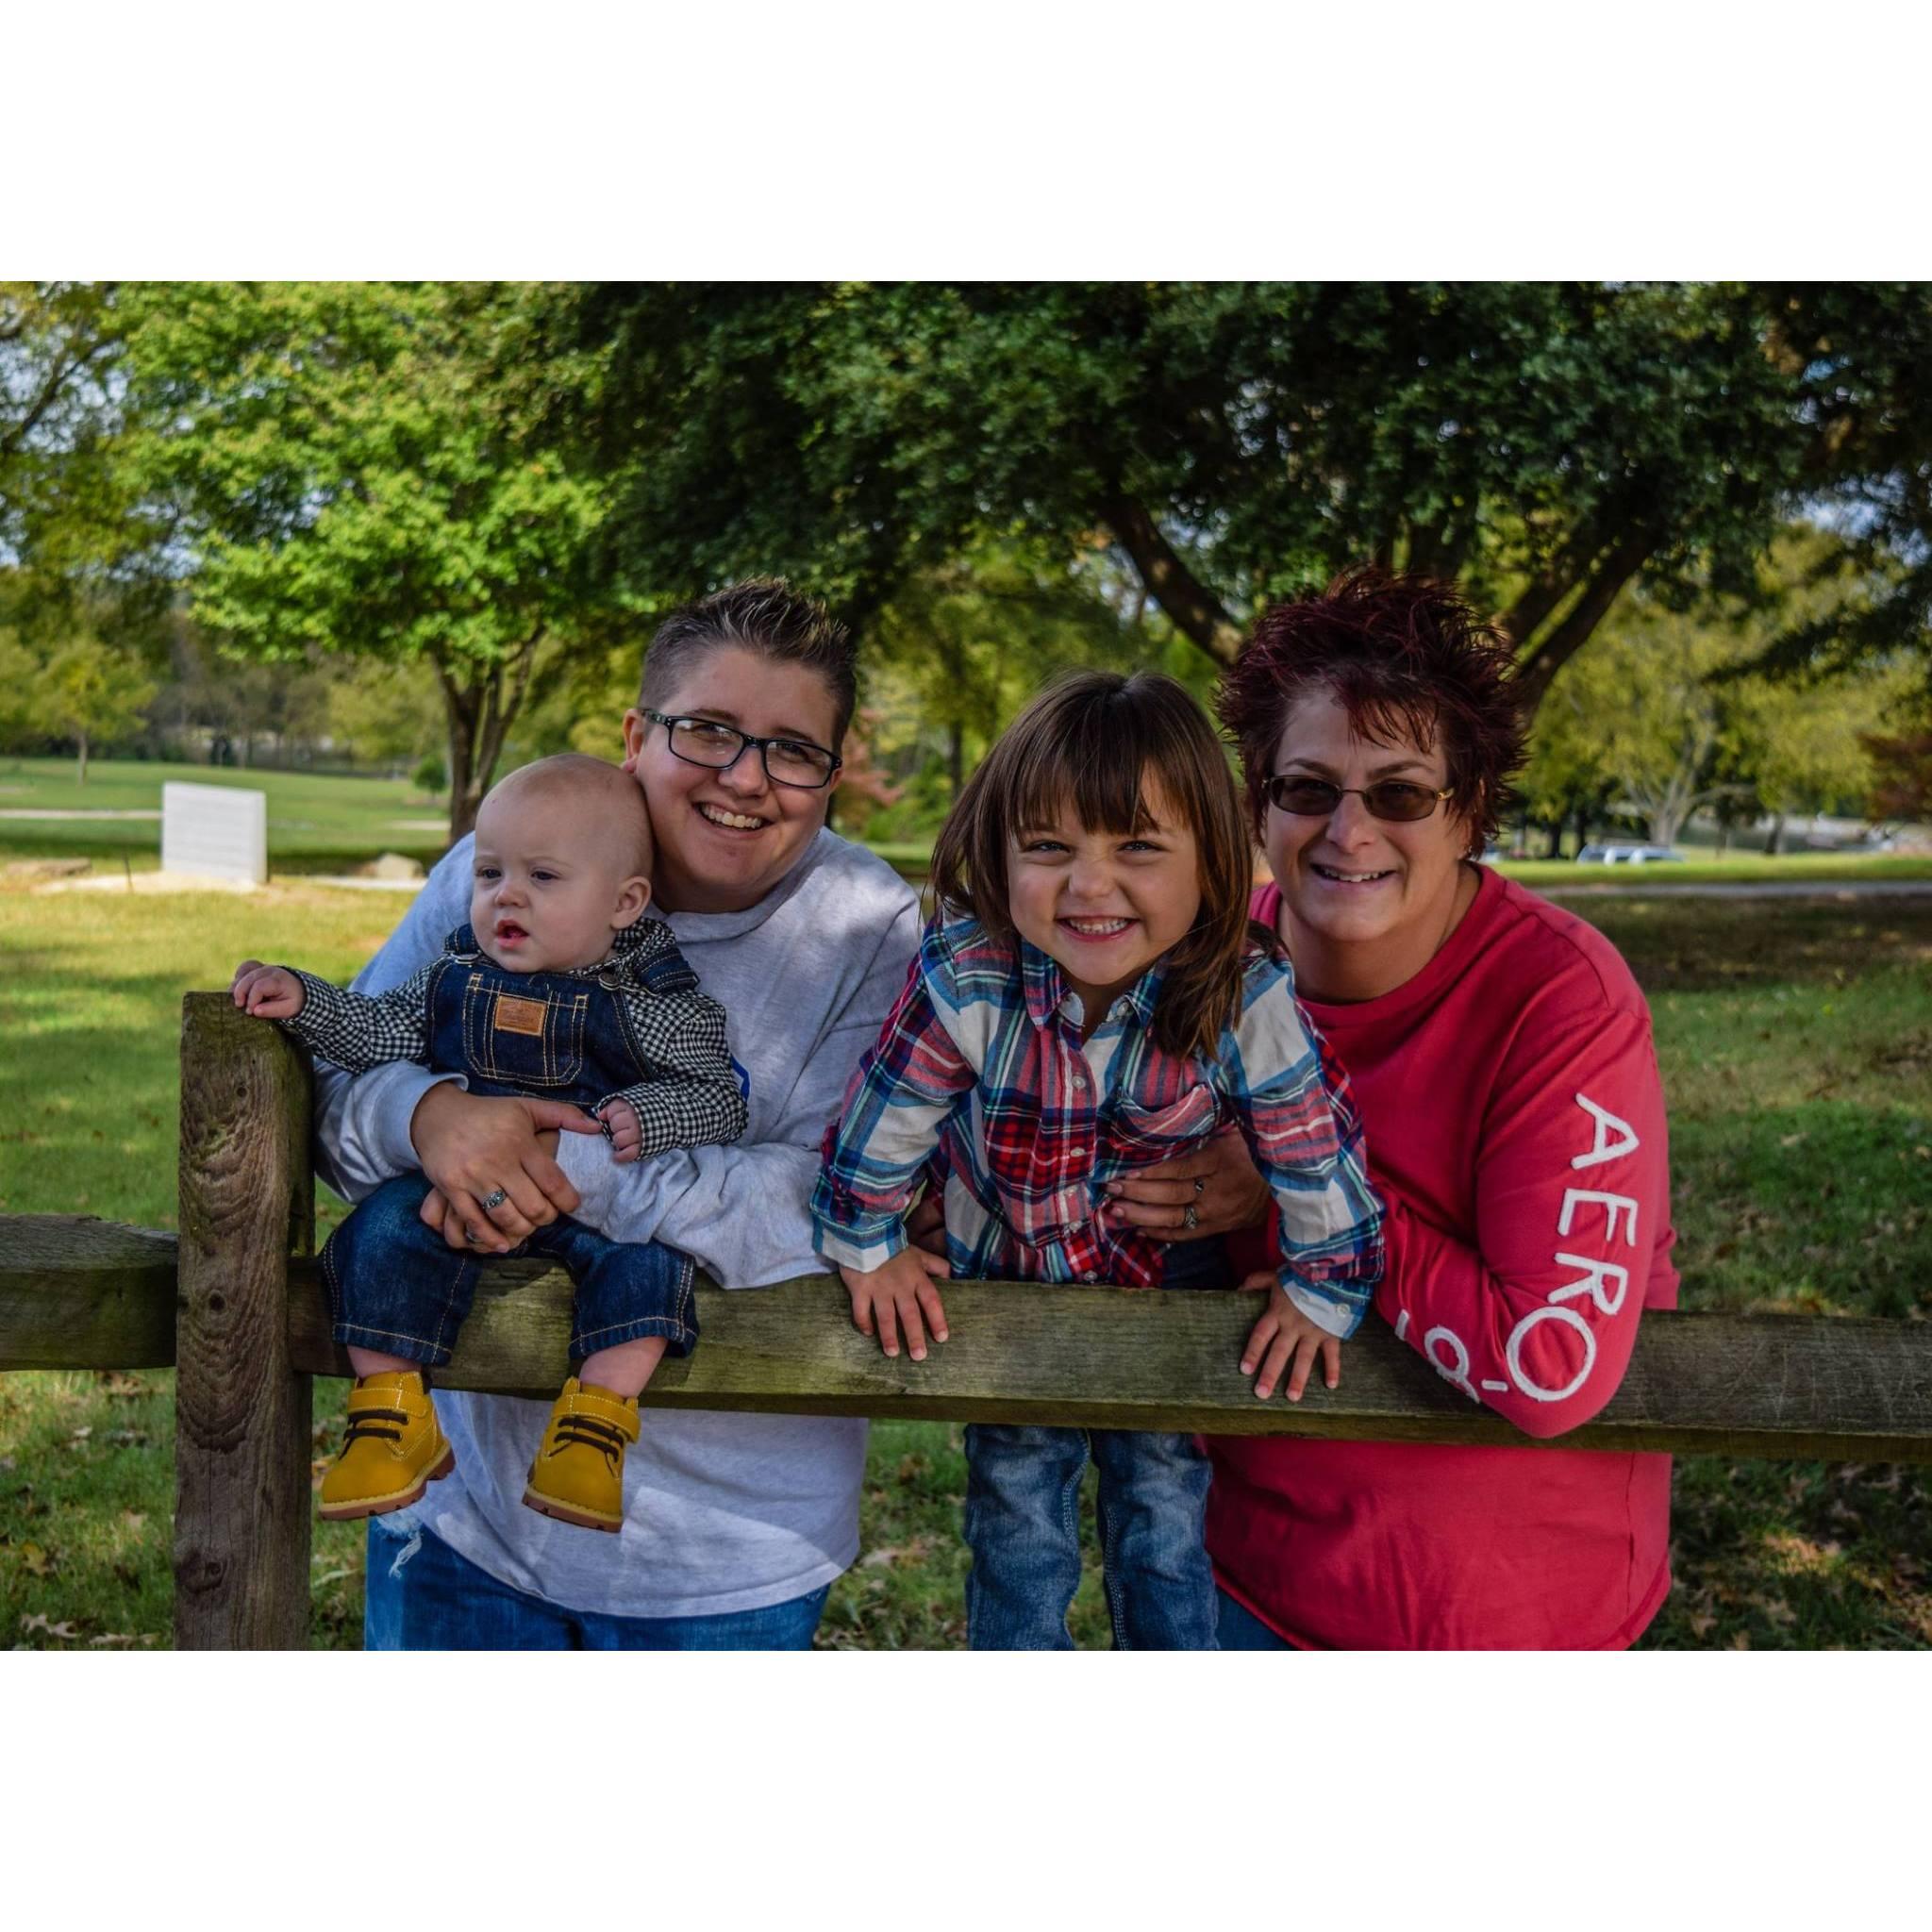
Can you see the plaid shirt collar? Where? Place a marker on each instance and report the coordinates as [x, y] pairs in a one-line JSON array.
[[1047, 988]]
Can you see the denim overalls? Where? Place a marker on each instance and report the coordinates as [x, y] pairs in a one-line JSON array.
[[395, 1285]]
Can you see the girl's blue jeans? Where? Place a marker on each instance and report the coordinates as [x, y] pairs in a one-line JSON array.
[[1022, 1523], [422, 1595], [397, 1287]]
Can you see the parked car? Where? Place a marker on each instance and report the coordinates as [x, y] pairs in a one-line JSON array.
[[1628, 855]]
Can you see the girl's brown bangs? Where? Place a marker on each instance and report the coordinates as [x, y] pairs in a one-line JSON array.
[[1078, 768]]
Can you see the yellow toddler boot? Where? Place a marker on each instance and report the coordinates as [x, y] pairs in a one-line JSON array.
[[579, 1474], [393, 1450]]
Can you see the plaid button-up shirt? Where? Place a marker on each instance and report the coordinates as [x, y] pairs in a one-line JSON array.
[[981, 1072]]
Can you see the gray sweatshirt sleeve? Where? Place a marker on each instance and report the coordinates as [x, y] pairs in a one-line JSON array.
[[362, 1121], [742, 1212]]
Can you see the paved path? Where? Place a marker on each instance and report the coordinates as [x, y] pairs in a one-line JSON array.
[[22, 811], [1767, 888]]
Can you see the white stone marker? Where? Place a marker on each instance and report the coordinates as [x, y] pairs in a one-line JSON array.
[[216, 831]]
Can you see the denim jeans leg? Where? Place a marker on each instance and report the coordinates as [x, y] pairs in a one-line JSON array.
[[625, 1289], [395, 1285], [1022, 1526], [420, 1594], [1153, 1524], [1241, 1629]]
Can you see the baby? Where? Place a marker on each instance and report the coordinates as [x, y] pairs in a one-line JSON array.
[[560, 987]]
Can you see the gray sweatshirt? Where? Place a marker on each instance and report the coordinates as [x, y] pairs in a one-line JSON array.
[[722, 1511]]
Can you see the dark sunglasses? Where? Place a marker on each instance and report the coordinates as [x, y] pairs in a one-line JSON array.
[[1387, 798]]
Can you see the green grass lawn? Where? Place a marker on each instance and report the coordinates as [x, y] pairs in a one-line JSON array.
[[1796, 1044], [315, 823]]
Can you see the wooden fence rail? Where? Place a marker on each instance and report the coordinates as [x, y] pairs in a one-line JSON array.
[[237, 1305]]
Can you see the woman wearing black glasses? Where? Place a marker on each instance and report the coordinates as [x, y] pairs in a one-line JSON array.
[[1500, 1055], [735, 1525]]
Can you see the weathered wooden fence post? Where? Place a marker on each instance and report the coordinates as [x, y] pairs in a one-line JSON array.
[[242, 1440]]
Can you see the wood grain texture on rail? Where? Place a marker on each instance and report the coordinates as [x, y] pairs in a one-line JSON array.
[[1103, 1357], [82, 1293], [242, 1436], [76, 1292]]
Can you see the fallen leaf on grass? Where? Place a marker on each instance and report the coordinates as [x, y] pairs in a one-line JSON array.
[[113, 1382], [1702, 1624], [38, 1624], [80, 1434], [36, 1561], [127, 1438], [6, 1465], [1742, 1640], [132, 1520], [119, 1638]]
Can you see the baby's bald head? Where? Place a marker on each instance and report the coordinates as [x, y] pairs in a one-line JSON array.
[[607, 812]]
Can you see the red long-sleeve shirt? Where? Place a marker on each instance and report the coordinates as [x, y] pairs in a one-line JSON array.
[[1515, 1129]]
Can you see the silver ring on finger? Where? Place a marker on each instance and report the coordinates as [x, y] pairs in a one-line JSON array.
[[1200, 1184], [1191, 1216], [494, 1199]]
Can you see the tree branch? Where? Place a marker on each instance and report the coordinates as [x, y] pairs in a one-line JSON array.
[[1196, 612], [1560, 644]]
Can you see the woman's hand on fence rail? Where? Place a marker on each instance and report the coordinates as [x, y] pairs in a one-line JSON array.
[[492, 1163], [1220, 1184]]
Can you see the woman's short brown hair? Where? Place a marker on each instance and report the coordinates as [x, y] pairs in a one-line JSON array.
[[761, 614], [1406, 657], [1090, 740]]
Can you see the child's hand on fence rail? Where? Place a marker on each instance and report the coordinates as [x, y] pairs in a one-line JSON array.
[[895, 1298], [270, 992], [1284, 1340]]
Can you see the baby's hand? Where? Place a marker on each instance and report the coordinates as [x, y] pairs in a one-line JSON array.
[[1285, 1335], [626, 1136], [893, 1296], [270, 992]]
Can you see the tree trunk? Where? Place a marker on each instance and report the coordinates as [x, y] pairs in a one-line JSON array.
[[83, 758], [1774, 846], [461, 708], [480, 714], [1192, 606]]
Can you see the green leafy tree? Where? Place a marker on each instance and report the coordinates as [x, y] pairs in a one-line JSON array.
[[1550, 444], [60, 346], [363, 470], [92, 693], [1669, 713]]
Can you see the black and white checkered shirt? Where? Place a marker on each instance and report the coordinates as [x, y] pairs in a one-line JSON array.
[[692, 1097]]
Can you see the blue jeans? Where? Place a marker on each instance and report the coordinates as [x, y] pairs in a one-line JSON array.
[[1023, 1521], [397, 1287], [1022, 1526], [422, 1595], [1241, 1629]]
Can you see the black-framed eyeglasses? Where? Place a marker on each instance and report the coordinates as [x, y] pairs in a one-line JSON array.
[[794, 761], [1387, 798]]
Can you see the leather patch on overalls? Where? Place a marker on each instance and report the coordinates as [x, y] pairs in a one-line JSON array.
[[513, 1015]]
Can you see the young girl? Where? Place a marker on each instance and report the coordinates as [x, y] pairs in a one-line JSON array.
[[1088, 1000]]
